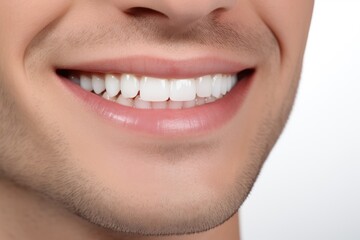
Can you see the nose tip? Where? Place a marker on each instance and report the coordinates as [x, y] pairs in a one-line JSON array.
[[178, 12], [185, 12]]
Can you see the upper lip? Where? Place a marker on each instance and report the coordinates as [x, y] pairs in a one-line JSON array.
[[159, 67]]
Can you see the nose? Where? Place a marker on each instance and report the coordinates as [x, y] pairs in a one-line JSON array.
[[177, 12]]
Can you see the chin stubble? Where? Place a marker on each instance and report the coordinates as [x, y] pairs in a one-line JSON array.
[[47, 168]]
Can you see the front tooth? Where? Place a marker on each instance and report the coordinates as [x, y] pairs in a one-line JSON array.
[[85, 83], [112, 85], [182, 89], [216, 86], [154, 89], [204, 86], [130, 86], [98, 84]]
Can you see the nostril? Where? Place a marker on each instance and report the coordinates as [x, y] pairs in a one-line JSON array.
[[218, 11], [143, 11]]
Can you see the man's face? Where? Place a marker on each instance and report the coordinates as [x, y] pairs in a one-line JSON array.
[[159, 171]]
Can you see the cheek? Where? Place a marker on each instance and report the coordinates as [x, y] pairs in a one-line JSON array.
[[289, 21], [18, 25]]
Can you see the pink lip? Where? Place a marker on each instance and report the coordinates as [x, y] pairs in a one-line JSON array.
[[162, 68], [168, 122]]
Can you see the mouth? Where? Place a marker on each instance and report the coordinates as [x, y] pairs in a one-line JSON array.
[[162, 104], [144, 92]]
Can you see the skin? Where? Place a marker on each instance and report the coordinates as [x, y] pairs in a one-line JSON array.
[[64, 174]]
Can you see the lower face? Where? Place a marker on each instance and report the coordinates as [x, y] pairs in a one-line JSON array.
[[182, 158]]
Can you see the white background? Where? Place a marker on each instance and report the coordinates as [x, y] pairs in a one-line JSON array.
[[310, 186]]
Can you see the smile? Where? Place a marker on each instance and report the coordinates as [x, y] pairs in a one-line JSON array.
[[155, 93], [157, 104]]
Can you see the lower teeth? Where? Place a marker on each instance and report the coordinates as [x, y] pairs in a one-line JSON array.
[[137, 102]]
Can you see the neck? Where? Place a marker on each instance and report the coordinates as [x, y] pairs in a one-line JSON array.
[[26, 215]]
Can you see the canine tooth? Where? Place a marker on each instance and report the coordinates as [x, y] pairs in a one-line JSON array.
[[182, 89], [98, 84], [139, 103], [224, 85], [154, 89], [159, 105], [129, 85], [204, 86], [216, 85], [85, 83], [112, 85], [175, 104], [189, 104], [125, 101]]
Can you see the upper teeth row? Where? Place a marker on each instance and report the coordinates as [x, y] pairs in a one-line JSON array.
[[158, 89]]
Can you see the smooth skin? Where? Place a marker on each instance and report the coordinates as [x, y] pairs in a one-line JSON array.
[[65, 174]]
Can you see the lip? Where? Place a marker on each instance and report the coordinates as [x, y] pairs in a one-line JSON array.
[[159, 67], [164, 122]]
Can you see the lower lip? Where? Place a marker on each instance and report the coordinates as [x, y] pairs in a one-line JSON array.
[[167, 122]]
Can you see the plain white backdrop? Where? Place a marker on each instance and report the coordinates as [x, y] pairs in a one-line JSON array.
[[309, 187]]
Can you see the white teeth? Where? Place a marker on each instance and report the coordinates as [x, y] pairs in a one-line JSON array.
[[216, 85], [228, 83], [112, 85], [125, 101], [74, 79], [233, 81], [204, 86], [224, 85], [130, 86], [139, 103], [107, 97], [98, 84], [210, 99], [154, 89], [159, 105], [85, 83], [200, 101], [182, 89], [189, 104], [155, 93], [175, 104]]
